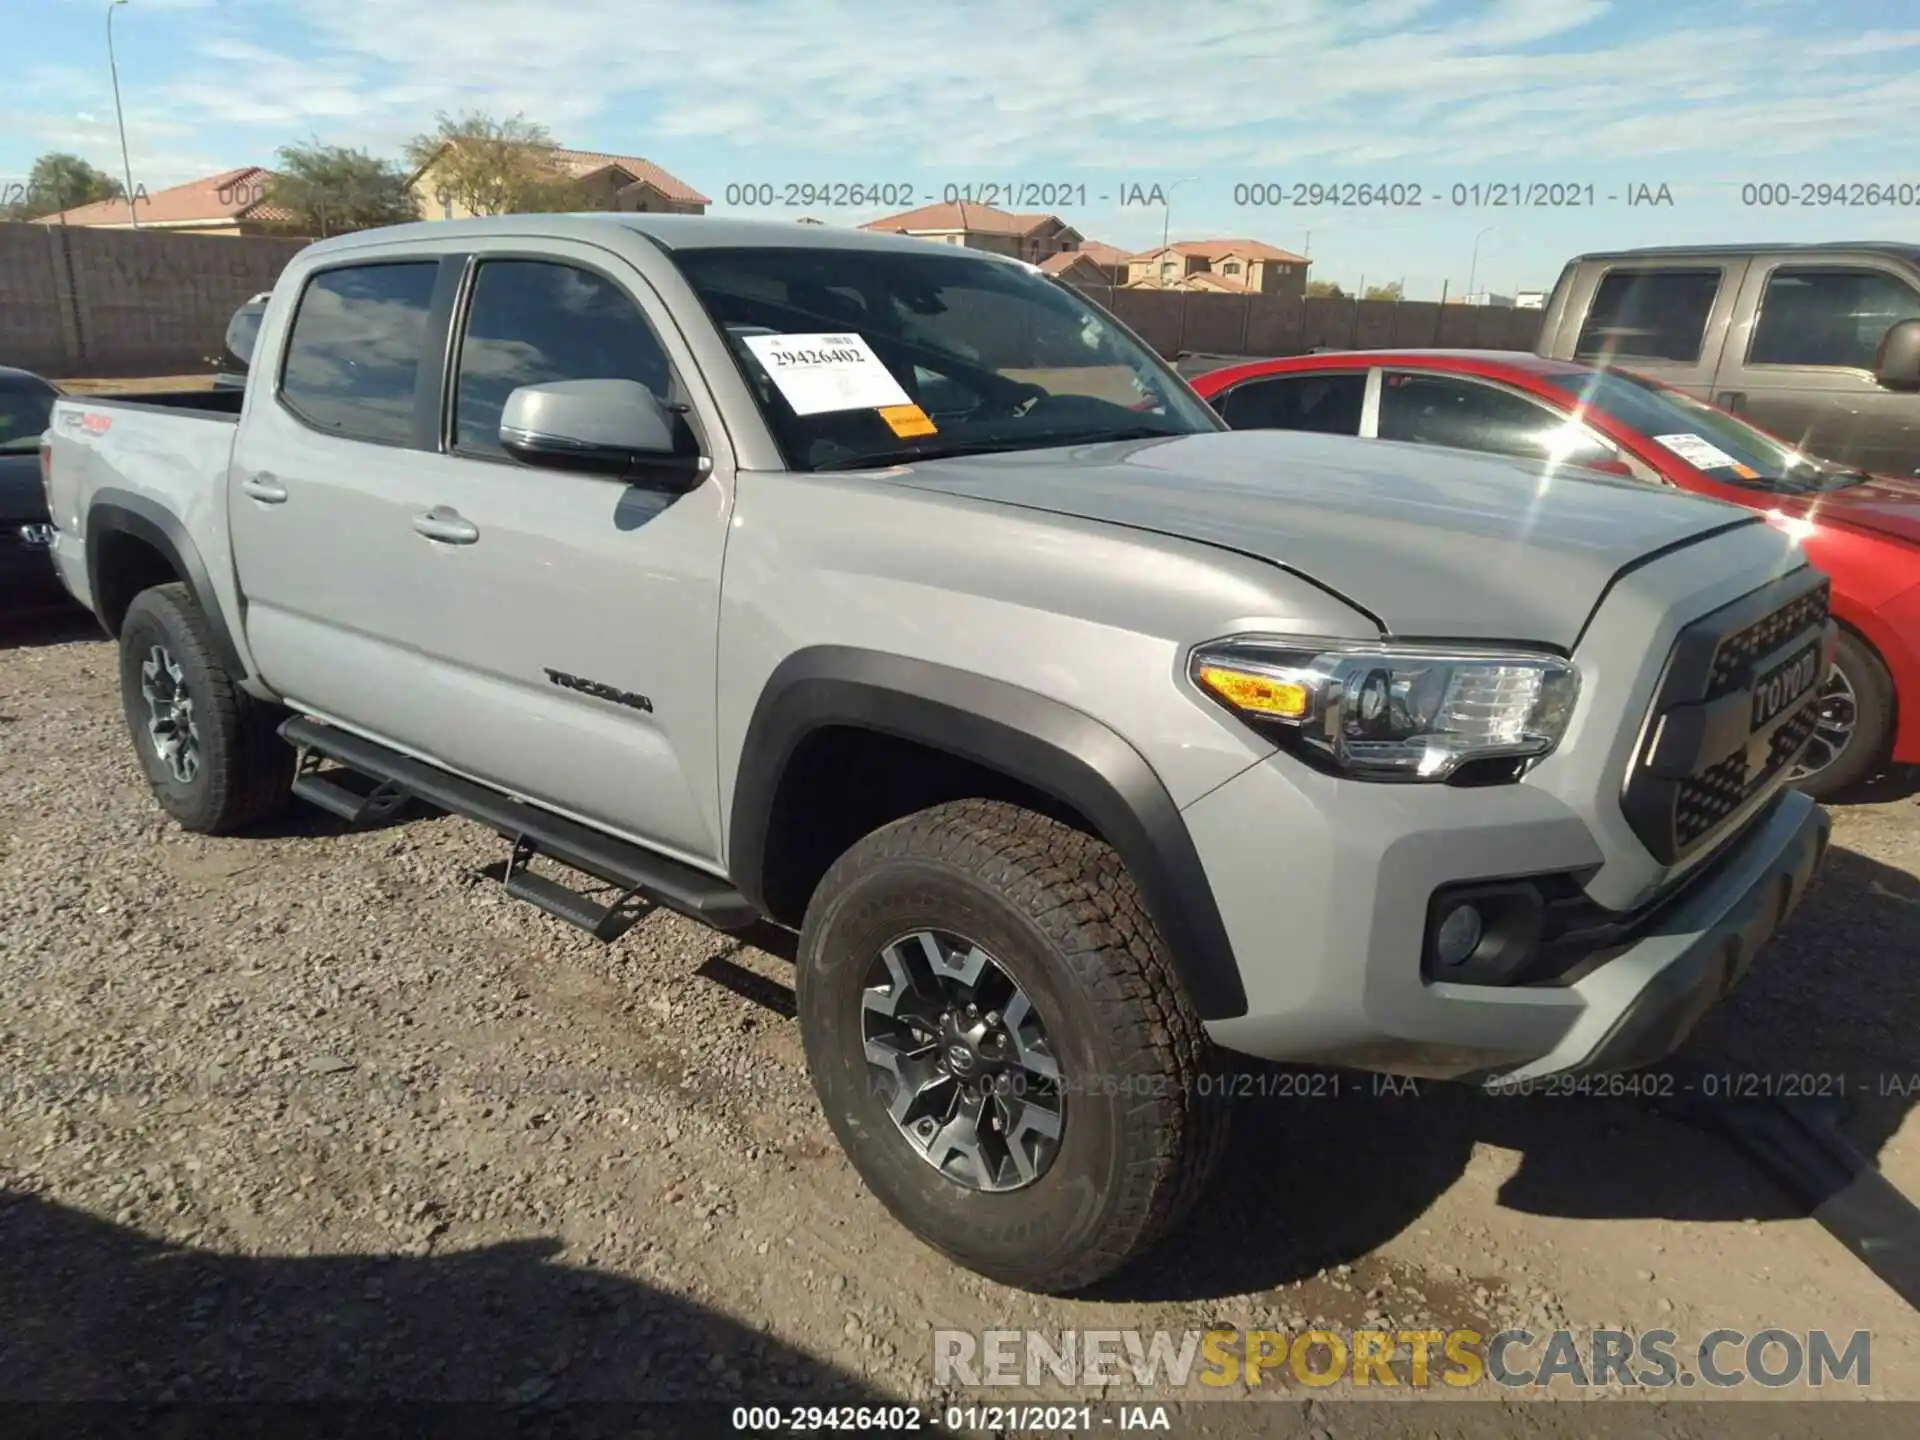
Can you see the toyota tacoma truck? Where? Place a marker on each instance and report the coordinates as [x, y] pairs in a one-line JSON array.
[[896, 595]]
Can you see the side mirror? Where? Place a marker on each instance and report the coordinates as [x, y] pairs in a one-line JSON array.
[[1897, 366], [617, 428]]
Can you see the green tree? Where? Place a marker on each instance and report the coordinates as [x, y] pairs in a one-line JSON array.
[[491, 167], [59, 181], [1325, 290], [330, 189], [1384, 292]]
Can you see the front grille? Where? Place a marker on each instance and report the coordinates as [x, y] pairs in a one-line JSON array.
[[1704, 800], [1738, 652], [1700, 762]]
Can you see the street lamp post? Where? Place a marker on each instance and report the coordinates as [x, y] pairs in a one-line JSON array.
[[113, 69], [1166, 227], [1473, 267]]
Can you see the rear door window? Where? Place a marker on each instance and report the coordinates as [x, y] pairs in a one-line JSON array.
[[1649, 315], [353, 361], [1470, 415], [1326, 404]]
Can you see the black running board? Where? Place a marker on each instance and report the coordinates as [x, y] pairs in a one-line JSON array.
[[640, 874]]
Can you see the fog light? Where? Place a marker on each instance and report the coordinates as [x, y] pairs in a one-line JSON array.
[[1458, 936]]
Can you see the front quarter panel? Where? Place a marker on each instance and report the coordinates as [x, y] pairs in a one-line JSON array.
[[1093, 616]]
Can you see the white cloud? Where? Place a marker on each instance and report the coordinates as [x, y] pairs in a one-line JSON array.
[[1004, 86]]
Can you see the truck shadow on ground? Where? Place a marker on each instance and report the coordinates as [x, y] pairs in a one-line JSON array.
[[95, 1311], [50, 624], [1315, 1182]]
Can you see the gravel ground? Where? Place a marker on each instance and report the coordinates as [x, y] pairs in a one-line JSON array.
[[315, 1114]]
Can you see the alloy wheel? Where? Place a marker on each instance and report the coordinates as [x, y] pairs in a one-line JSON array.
[[170, 722], [959, 1056], [1837, 716]]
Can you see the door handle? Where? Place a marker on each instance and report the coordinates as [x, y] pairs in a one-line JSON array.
[[446, 524], [265, 488], [1733, 401]]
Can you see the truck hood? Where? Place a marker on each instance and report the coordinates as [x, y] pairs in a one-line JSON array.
[[22, 496], [1425, 541], [1887, 505]]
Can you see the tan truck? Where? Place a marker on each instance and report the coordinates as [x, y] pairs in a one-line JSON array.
[[1819, 344]]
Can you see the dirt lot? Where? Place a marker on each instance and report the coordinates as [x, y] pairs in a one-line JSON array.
[[322, 1114]]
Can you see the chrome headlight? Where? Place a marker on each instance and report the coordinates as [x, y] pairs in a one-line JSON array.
[[1388, 711]]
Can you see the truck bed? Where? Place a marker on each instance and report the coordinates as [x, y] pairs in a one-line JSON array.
[[220, 403], [160, 458]]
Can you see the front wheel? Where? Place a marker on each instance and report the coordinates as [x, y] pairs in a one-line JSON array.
[[993, 1026], [210, 751], [1855, 720]]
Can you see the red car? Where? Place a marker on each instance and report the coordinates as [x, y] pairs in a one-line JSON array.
[[1863, 530]]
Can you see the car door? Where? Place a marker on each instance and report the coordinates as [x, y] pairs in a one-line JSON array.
[[1327, 402], [1801, 361], [1664, 319], [568, 620], [1463, 412], [324, 476]]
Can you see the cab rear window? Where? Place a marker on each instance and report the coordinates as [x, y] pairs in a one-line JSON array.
[[1649, 315]]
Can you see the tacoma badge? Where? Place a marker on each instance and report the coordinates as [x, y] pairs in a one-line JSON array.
[[604, 692]]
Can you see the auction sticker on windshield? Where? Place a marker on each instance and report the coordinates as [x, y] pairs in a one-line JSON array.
[[1697, 452], [822, 373], [906, 421]]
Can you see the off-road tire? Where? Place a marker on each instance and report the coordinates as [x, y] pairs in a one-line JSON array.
[[1866, 753], [1145, 1117], [246, 769]]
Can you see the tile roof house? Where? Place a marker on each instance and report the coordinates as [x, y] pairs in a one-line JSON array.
[[1233, 266], [1032, 238], [230, 203], [605, 181], [1077, 265]]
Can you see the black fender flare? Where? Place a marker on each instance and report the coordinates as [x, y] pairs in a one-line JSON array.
[[1028, 737], [121, 512]]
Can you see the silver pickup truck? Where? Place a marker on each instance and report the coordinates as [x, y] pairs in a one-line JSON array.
[[894, 594]]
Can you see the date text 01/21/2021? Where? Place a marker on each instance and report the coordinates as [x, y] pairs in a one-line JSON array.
[[1459, 195], [960, 1419], [1316, 1085], [905, 195]]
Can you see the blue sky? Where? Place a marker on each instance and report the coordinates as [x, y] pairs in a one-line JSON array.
[[1700, 97]]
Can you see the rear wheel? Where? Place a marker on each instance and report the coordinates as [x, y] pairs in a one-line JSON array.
[[994, 1029], [210, 751], [1855, 720]]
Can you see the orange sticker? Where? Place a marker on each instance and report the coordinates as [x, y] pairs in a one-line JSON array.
[[907, 420], [1746, 472]]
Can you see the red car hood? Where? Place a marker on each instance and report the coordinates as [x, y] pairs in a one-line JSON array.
[[1886, 505]]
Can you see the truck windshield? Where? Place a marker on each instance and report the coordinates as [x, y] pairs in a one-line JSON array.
[[1722, 447], [876, 357]]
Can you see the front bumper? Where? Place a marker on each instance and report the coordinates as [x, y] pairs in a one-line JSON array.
[[1329, 930], [1642, 1004]]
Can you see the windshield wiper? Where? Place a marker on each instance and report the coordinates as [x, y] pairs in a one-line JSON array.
[[1817, 478], [907, 454]]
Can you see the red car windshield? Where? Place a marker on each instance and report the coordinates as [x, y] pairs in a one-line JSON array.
[[1722, 447]]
